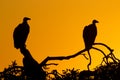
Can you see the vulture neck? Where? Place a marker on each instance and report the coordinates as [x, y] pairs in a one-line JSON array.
[[25, 22], [94, 23]]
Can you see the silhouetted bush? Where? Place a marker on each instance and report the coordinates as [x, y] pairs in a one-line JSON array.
[[109, 71]]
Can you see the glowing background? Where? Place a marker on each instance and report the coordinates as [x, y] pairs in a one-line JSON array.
[[56, 29]]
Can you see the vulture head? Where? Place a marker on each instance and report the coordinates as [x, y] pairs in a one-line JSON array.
[[95, 21], [25, 19]]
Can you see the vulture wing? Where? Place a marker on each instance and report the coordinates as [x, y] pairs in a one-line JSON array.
[[89, 35], [20, 35]]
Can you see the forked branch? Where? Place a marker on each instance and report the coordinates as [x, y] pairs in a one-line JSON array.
[[76, 54]]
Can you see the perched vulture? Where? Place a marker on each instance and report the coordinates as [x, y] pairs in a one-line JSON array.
[[89, 34], [20, 33]]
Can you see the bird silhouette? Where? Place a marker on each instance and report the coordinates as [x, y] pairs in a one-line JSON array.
[[31, 67], [20, 33], [89, 34]]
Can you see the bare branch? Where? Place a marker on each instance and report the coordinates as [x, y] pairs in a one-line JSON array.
[[111, 50], [64, 57], [102, 53]]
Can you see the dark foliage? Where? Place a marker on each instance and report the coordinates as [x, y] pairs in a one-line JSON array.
[[110, 71]]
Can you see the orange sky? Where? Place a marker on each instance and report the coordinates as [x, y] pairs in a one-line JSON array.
[[56, 29]]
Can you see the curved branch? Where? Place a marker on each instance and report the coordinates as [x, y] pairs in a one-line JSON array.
[[76, 54], [113, 56], [111, 50], [101, 52], [63, 57]]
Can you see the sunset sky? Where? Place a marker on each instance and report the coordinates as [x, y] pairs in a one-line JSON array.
[[56, 28]]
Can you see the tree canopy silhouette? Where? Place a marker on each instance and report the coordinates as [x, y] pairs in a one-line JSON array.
[[34, 70]]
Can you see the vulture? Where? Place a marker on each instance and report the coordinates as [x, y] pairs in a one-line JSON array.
[[89, 34], [20, 33]]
